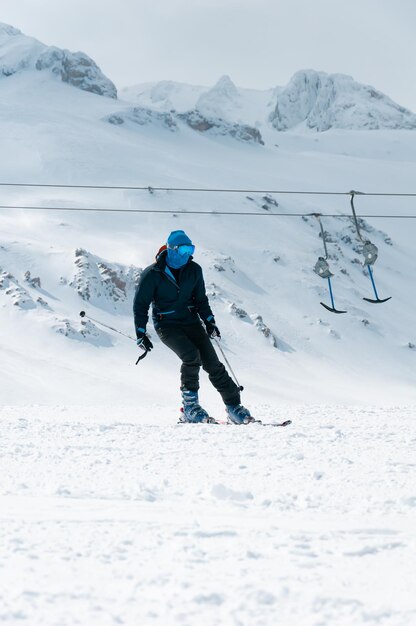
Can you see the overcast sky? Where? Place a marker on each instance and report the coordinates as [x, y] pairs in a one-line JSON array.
[[259, 43]]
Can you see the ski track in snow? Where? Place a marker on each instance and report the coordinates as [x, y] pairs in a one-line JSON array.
[[114, 516]]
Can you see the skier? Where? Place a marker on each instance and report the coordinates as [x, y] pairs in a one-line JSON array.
[[175, 287]]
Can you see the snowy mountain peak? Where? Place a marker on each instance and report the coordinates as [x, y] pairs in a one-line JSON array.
[[225, 87], [19, 52], [7, 31], [322, 101], [221, 99]]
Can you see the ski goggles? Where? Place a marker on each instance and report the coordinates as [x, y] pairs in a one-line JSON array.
[[183, 249]]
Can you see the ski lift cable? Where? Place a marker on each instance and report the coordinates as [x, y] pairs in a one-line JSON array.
[[191, 212], [151, 189]]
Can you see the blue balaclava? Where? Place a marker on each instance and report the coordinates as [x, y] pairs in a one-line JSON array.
[[180, 249]]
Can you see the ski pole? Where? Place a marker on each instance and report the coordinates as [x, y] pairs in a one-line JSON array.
[[83, 314], [228, 364]]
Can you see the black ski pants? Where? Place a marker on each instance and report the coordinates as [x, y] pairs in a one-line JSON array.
[[193, 346]]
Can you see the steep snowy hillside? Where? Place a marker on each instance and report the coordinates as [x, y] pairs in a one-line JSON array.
[[21, 53], [258, 268]]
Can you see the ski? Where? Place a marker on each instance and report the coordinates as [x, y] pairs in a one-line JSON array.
[[226, 423], [210, 420], [281, 424], [260, 423]]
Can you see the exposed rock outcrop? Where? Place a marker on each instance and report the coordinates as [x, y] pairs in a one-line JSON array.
[[143, 117], [108, 285], [217, 126], [19, 296], [194, 119], [82, 331], [76, 69], [322, 101]]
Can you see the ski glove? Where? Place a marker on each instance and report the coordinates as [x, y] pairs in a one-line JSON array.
[[212, 328], [144, 342]]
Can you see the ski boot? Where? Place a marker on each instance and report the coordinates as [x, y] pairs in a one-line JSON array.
[[192, 412], [238, 414]]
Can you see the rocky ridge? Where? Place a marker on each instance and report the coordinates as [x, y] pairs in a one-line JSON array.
[[312, 100], [193, 119], [323, 101], [21, 53]]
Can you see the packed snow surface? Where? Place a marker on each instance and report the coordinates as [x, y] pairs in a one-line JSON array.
[[116, 516]]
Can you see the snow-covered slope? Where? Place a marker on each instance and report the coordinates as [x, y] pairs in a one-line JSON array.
[[21, 53], [259, 269], [114, 514]]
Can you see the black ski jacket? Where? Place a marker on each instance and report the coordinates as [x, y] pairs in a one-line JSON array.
[[173, 303]]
